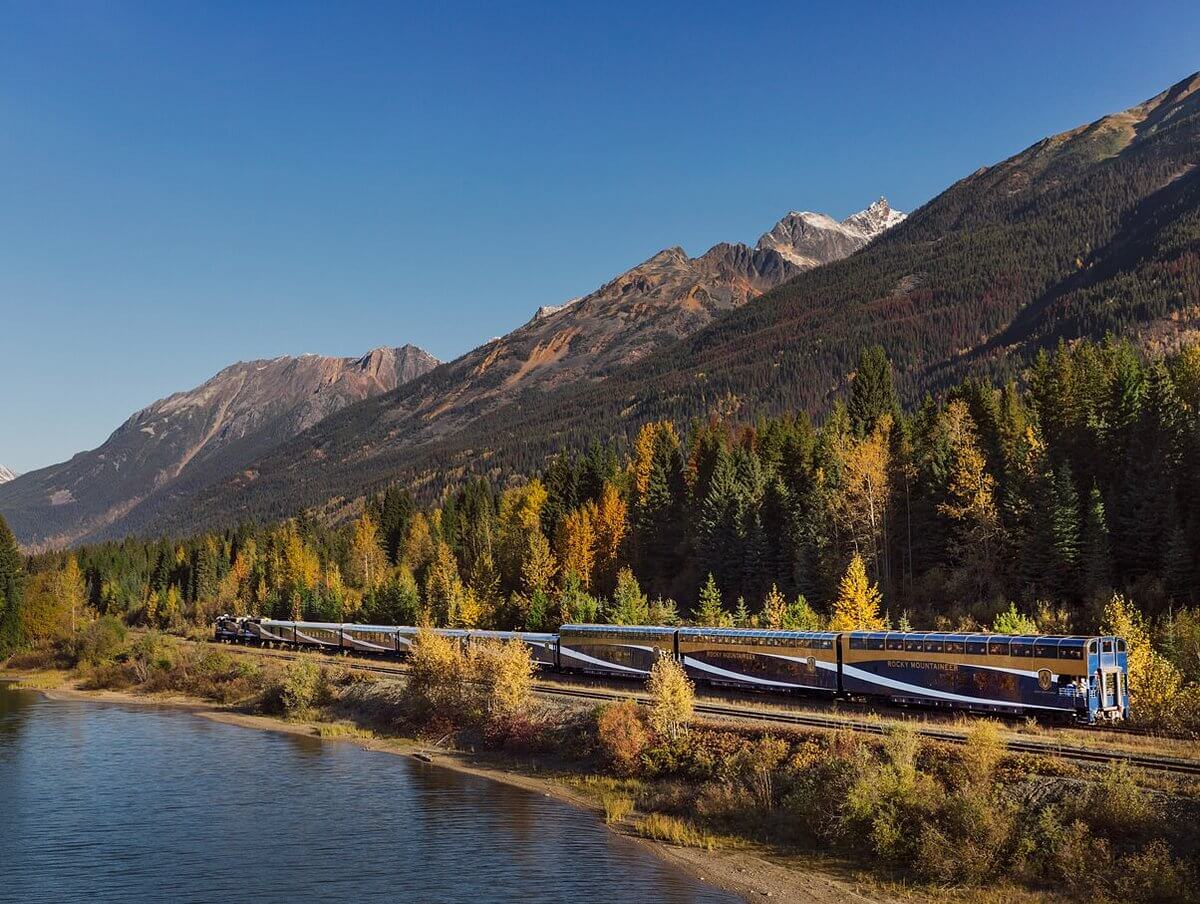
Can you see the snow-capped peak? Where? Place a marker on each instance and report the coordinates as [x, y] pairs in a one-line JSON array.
[[549, 310], [6, 475], [875, 220]]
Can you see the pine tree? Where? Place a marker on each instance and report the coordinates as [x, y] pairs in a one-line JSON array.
[[630, 606], [741, 615], [395, 514], [1097, 556], [872, 393], [857, 605], [709, 611], [1064, 529], [12, 585]]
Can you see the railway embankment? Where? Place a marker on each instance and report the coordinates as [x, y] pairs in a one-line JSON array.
[[794, 812]]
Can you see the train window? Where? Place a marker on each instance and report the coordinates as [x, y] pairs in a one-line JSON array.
[[1091, 646], [1022, 648], [895, 642], [1120, 645], [934, 646], [913, 644], [977, 647], [998, 647], [856, 643], [1046, 650], [1070, 652], [955, 646], [1108, 646], [875, 642]]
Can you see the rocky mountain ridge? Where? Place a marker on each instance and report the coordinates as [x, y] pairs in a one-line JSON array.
[[175, 445]]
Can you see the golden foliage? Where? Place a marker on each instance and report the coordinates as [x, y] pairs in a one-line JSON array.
[[576, 543], [857, 605], [673, 696], [367, 561]]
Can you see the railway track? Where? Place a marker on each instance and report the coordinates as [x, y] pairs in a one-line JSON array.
[[801, 719]]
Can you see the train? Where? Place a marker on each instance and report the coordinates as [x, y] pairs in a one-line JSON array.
[[1083, 679]]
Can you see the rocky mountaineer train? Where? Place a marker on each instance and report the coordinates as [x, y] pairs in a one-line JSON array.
[[1081, 678]]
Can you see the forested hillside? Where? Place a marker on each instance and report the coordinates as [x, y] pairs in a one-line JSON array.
[[1091, 231]]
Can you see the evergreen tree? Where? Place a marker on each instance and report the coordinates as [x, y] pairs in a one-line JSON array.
[[741, 615], [630, 606], [709, 611], [395, 515], [1097, 556], [872, 392], [12, 585], [1064, 529]]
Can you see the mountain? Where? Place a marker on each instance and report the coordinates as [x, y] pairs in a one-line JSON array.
[[810, 239], [181, 443], [6, 475], [1092, 231]]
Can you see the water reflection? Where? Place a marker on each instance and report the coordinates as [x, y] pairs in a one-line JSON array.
[[109, 803]]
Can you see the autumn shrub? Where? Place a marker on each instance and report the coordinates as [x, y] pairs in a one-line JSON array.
[[299, 689], [436, 668], [673, 697], [621, 736], [98, 641], [1115, 805], [1065, 854], [968, 839], [889, 802], [1152, 874], [500, 678]]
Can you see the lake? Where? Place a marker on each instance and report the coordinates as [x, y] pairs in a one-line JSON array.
[[104, 802]]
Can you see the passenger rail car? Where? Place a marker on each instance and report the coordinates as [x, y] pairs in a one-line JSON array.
[[1081, 678]]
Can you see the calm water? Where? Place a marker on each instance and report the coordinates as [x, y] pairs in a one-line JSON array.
[[102, 803]]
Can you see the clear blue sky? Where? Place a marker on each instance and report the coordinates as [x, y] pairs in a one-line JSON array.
[[188, 184]]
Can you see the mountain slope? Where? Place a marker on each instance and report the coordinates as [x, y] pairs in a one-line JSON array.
[[1090, 231], [179, 444], [632, 316], [6, 475]]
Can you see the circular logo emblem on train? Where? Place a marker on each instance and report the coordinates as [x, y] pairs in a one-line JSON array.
[[1045, 679], [812, 663]]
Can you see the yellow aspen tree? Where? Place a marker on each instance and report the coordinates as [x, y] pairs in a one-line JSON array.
[[860, 505], [539, 565], [774, 610], [577, 543], [611, 526], [72, 591], [857, 605], [418, 548], [367, 561]]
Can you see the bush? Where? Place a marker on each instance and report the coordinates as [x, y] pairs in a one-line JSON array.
[[301, 688], [502, 676], [1115, 805], [436, 669], [673, 696], [1153, 874], [99, 642], [621, 736]]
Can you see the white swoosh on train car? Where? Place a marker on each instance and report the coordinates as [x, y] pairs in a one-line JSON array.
[[725, 673], [604, 662], [917, 690]]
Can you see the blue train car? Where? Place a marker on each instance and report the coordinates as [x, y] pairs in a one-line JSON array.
[[1084, 678], [761, 660], [617, 650]]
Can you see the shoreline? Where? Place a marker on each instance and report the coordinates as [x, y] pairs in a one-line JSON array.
[[745, 872]]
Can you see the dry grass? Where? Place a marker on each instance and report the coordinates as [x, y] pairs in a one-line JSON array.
[[334, 731], [673, 831], [616, 807]]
